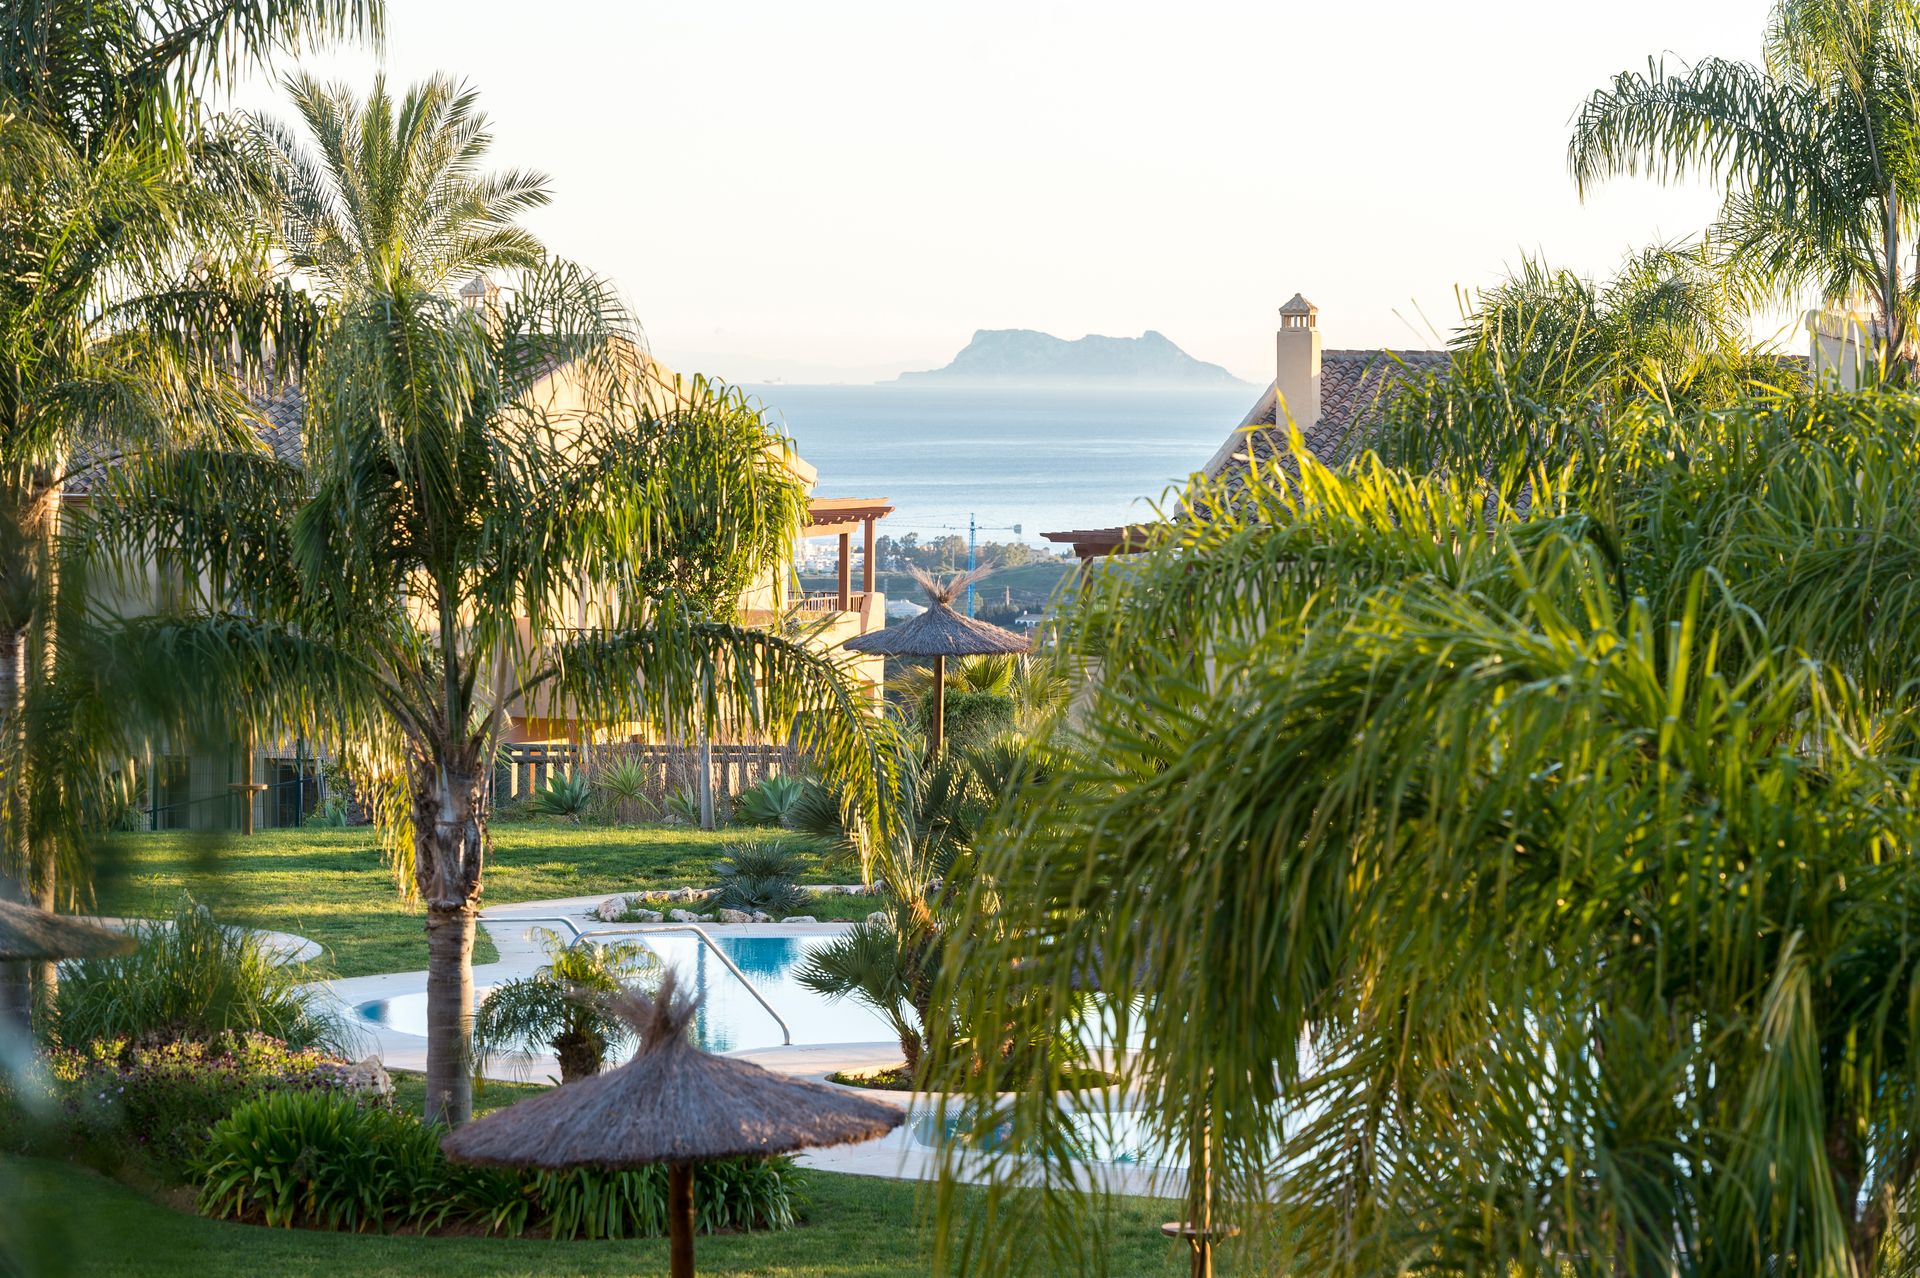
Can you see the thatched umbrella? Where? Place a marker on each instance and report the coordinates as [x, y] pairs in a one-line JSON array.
[[673, 1104], [30, 933], [939, 633]]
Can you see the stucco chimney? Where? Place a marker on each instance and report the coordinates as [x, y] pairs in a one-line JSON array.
[[480, 293], [1839, 347], [1296, 370]]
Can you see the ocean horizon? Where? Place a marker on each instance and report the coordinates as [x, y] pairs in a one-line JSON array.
[[1045, 458]]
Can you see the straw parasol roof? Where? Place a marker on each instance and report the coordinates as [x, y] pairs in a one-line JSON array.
[[29, 933], [672, 1103], [940, 631]]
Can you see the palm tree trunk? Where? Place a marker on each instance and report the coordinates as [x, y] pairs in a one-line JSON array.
[[449, 1014], [580, 1055], [449, 845], [16, 999]]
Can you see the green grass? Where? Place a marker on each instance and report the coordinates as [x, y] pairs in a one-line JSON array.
[[331, 886], [856, 1227], [75, 1222]]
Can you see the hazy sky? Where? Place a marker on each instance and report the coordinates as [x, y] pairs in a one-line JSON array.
[[840, 190]]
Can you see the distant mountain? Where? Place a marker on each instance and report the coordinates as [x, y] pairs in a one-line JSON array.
[[1001, 356]]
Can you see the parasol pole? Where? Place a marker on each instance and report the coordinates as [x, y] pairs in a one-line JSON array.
[[680, 1220], [939, 705]]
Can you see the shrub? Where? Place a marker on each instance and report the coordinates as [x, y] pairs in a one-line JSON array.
[[564, 794], [974, 718], [769, 801], [558, 1005], [117, 1102], [623, 782], [305, 1158], [330, 815], [192, 979], [320, 1160], [760, 876]]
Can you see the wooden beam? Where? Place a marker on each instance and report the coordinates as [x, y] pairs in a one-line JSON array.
[[866, 564], [846, 571]]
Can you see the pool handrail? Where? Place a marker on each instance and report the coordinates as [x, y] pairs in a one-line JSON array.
[[786, 1032], [571, 926]]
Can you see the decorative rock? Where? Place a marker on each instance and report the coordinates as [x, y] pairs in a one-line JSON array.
[[879, 916], [646, 916], [613, 909], [801, 918], [682, 916], [370, 1077], [761, 916], [735, 916], [703, 918]]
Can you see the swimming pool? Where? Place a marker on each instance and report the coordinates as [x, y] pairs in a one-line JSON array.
[[729, 1019], [1121, 1136]]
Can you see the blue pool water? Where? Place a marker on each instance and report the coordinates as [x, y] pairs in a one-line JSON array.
[[1120, 1136], [729, 1019]]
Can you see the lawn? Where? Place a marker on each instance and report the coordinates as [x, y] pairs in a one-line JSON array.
[[75, 1222], [331, 885], [856, 1227]]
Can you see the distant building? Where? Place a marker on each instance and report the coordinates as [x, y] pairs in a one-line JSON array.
[[1330, 395], [248, 783], [1029, 620]]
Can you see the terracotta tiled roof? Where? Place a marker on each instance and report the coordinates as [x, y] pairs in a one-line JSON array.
[[281, 417], [1352, 385]]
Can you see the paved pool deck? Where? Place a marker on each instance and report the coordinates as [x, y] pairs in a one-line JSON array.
[[513, 930]]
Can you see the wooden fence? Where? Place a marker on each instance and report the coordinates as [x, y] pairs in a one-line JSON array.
[[522, 768]]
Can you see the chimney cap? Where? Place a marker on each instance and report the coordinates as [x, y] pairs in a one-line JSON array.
[[1299, 306], [478, 286]]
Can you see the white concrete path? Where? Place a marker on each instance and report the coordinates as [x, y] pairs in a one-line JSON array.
[[284, 947]]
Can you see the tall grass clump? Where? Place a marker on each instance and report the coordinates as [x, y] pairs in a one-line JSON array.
[[194, 979]]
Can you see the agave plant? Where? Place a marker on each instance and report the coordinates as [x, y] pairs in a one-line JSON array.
[[560, 1006], [770, 801], [566, 794], [683, 805], [759, 877], [623, 783]]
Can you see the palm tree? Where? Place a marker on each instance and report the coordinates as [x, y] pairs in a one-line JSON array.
[[457, 546], [391, 196], [126, 258], [563, 1005], [1816, 150], [1506, 891], [1545, 356], [894, 965]]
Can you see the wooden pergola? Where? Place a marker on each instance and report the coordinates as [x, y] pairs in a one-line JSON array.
[[836, 517], [1097, 543]]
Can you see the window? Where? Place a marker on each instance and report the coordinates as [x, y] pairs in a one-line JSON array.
[[172, 792]]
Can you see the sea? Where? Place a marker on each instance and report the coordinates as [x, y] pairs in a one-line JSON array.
[[1042, 459]]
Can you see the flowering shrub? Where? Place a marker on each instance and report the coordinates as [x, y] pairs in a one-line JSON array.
[[118, 1101]]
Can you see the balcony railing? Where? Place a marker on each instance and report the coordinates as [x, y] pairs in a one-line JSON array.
[[828, 601]]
